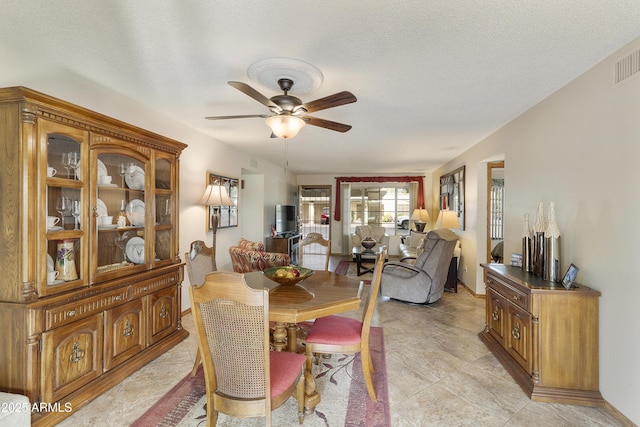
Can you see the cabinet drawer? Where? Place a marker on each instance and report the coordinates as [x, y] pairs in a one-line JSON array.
[[517, 297], [67, 313], [149, 286]]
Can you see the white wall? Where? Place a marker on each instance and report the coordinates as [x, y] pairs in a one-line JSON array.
[[579, 148]]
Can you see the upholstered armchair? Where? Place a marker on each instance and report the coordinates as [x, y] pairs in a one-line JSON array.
[[251, 256], [377, 233], [423, 281]]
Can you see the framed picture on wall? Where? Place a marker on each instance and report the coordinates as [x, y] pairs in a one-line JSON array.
[[227, 215]]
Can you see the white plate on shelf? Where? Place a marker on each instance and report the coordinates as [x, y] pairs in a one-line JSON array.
[[55, 228], [135, 250], [135, 212], [135, 178], [102, 170], [102, 208]]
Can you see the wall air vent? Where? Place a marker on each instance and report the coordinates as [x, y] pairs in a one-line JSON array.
[[626, 67]]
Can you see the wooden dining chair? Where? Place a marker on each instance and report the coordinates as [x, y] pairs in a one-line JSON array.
[[243, 377], [338, 334], [200, 261], [312, 242]]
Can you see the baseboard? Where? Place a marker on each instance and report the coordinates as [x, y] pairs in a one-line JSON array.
[[626, 422]]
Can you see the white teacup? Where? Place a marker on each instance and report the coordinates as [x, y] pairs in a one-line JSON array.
[[52, 275], [105, 220], [52, 221], [51, 171], [104, 179]]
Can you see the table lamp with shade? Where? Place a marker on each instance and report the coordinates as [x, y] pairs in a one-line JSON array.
[[215, 195], [447, 219], [420, 217]]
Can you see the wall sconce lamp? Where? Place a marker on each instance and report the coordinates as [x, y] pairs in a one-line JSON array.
[[420, 217]]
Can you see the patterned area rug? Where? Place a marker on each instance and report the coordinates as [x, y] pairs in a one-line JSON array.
[[349, 268], [339, 380]]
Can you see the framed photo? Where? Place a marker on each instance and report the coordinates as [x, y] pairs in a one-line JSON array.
[[570, 276], [227, 215]]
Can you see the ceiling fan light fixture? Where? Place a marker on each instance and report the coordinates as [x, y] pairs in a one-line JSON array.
[[285, 126]]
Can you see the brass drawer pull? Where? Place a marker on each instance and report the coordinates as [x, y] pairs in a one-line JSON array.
[[128, 329], [144, 289], [76, 353], [516, 298], [495, 315], [117, 298], [163, 312], [515, 332], [71, 313]]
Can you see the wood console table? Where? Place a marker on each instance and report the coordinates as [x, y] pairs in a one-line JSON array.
[[544, 335]]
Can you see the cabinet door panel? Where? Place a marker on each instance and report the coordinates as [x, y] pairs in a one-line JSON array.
[[496, 315], [72, 357], [519, 337], [124, 333], [163, 312]]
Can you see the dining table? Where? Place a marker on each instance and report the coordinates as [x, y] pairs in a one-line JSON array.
[[323, 293]]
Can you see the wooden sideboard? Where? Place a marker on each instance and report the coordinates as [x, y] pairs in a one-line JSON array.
[[287, 245], [84, 301], [544, 335]]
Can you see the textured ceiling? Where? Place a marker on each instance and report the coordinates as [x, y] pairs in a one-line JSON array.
[[432, 77]]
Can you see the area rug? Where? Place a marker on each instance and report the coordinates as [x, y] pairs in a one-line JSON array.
[[350, 269], [339, 380]]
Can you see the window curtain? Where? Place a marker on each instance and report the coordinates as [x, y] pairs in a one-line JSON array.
[[339, 180], [413, 197], [345, 190]]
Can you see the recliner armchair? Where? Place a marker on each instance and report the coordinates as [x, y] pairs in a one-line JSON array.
[[377, 233], [423, 281]]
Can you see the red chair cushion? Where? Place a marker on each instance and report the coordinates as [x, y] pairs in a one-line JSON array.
[[335, 330], [285, 368]]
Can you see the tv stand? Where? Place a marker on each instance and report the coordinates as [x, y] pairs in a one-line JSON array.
[[288, 244]]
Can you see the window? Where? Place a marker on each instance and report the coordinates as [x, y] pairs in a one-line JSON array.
[[315, 210], [380, 205], [496, 226]]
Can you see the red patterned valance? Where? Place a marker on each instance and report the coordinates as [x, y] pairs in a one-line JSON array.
[[341, 179]]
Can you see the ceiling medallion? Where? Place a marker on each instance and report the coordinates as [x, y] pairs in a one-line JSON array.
[[266, 72]]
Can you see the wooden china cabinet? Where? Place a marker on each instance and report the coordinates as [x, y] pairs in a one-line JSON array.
[[86, 297]]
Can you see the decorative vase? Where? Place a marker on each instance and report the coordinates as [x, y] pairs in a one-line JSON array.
[[368, 243], [65, 260], [552, 253], [526, 246], [539, 242]]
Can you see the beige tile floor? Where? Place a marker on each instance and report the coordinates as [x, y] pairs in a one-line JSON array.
[[439, 374]]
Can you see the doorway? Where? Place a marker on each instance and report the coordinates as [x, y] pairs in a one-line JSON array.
[[495, 211]]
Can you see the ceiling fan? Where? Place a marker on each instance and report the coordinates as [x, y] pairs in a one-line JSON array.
[[288, 112]]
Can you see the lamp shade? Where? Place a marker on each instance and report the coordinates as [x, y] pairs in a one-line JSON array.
[[448, 219], [285, 126], [420, 215], [215, 195]]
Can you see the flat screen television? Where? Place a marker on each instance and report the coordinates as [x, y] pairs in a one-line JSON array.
[[286, 219]]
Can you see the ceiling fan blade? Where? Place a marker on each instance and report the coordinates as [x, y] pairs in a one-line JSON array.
[[330, 101], [248, 90], [327, 124], [245, 116]]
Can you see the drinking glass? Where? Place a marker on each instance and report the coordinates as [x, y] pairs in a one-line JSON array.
[[73, 158], [66, 165], [122, 172], [75, 212], [62, 207]]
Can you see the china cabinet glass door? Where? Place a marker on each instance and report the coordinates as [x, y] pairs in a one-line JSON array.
[[165, 201], [62, 212], [119, 213]]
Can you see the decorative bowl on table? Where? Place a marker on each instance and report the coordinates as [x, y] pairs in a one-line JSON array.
[[287, 275], [368, 243]]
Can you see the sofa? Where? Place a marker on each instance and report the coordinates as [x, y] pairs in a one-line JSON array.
[[377, 233], [423, 281], [251, 256]]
